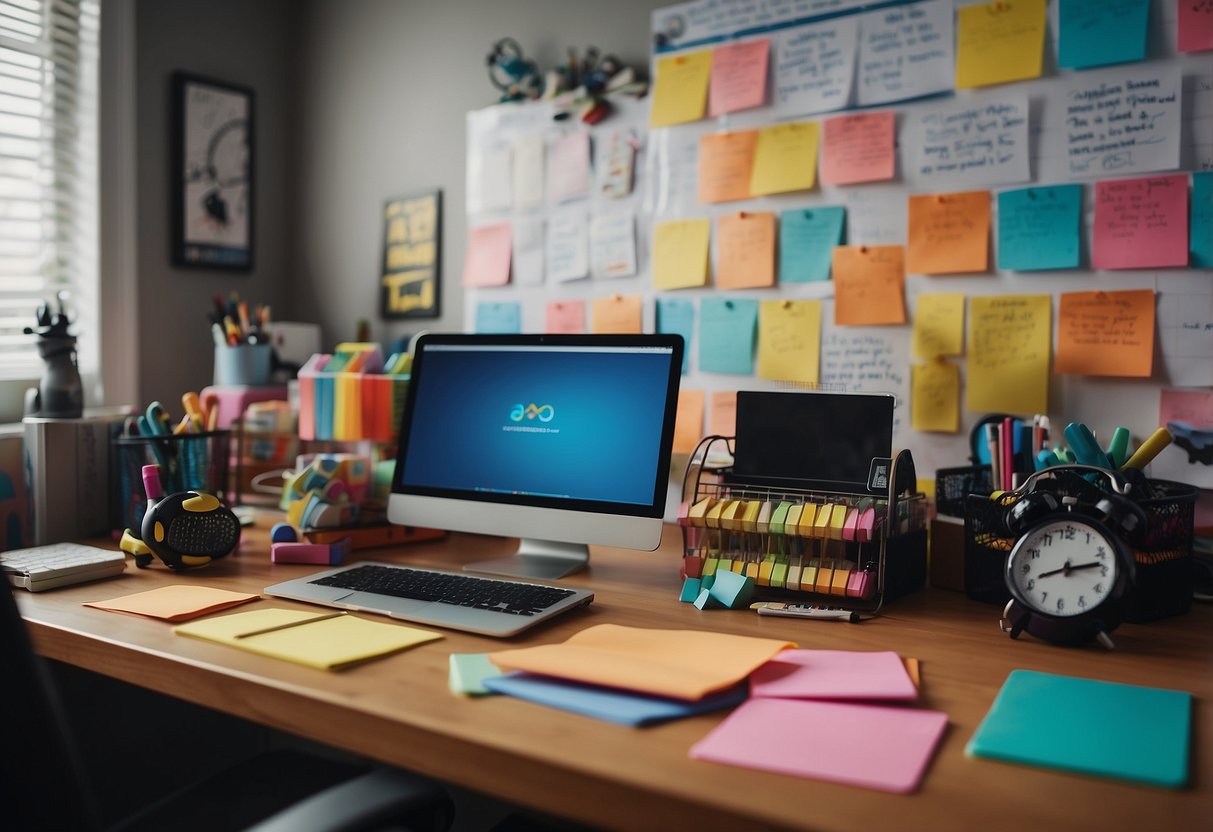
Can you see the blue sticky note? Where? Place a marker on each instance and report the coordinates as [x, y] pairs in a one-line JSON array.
[[1200, 237], [608, 703], [1096, 32], [1088, 726], [677, 317], [1038, 228], [807, 237], [726, 335], [498, 318]]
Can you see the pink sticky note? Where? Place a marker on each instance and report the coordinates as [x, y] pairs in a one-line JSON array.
[[1195, 27], [1141, 223], [857, 148], [739, 76], [828, 741], [569, 166], [565, 317], [833, 674], [487, 262]]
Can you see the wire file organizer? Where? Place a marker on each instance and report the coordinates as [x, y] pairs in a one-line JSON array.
[[853, 549]]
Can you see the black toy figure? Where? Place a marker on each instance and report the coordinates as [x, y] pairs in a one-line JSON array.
[[60, 395]]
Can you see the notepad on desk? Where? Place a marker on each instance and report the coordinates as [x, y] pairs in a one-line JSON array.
[[328, 641]]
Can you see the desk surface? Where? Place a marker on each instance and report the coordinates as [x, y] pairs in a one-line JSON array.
[[399, 709]]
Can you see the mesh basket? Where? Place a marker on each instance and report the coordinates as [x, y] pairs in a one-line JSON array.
[[954, 485], [188, 462]]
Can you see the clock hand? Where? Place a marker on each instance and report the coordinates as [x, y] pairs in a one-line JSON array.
[[1066, 569]]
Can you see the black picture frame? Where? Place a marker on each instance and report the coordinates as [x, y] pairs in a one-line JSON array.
[[212, 173], [410, 279]]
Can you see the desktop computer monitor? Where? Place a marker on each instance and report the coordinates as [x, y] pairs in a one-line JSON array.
[[560, 440]]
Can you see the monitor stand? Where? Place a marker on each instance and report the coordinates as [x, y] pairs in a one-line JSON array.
[[544, 559]]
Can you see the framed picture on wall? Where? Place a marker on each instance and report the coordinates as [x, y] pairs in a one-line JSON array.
[[412, 256], [212, 173]]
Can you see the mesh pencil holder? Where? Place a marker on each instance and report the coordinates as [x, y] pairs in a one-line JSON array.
[[188, 462], [1162, 554], [954, 485]]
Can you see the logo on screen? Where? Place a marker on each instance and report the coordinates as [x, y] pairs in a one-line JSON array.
[[543, 413]]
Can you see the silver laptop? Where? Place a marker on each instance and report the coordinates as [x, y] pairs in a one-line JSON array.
[[473, 603]]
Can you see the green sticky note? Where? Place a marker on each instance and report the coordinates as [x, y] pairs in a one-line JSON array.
[[1088, 726], [468, 672]]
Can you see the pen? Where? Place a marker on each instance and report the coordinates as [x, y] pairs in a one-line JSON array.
[[809, 611], [288, 625], [995, 464]]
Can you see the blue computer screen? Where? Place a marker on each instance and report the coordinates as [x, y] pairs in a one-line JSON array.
[[549, 423]]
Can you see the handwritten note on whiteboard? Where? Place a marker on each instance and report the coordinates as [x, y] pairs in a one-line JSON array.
[[1099, 32], [1185, 329], [725, 162], [935, 396], [745, 249], [807, 237], [1120, 120], [869, 285], [567, 246], [858, 148], [866, 361], [789, 340], [949, 233], [1106, 333], [977, 144], [739, 76], [528, 253], [680, 88], [814, 67], [1038, 228], [613, 245], [999, 42], [905, 52], [1141, 223], [1010, 340], [726, 335], [939, 325]]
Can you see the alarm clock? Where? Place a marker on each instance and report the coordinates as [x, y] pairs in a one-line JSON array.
[[1071, 569]]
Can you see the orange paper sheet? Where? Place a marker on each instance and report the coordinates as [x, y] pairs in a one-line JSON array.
[[1106, 333], [722, 413], [681, 664], [725, 163], [869, 285], [745, 250], [858, 148], [617, 314], [177, 602], [688, 422], [949, 233]]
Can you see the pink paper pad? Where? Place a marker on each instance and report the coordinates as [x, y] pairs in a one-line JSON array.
[[833, 674], [878, 747]]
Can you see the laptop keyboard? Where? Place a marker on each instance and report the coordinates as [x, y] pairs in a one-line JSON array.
[[509, 597]]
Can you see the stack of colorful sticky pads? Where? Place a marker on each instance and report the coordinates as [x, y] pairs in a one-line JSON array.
[[741, 545], [327, 492]]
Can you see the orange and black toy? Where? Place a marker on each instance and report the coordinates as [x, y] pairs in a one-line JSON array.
[[186, 529]]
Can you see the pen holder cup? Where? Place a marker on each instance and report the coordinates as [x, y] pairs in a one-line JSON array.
[[954, 485], [1162, 556], [245, 365], [188, 462]]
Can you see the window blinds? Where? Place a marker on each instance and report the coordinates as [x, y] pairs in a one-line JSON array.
[[48, 173]]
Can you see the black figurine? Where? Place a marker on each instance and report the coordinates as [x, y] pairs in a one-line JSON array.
[[60, 395]]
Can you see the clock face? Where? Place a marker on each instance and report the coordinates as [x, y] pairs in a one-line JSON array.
[[1064, 567]]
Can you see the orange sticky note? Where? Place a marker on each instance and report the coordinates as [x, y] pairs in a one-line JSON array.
[[688, 423], [745, 250], [739, 76], [785, 158], [869, 285], [935, 396], [616, 314], [722, 413], [487, 262], [565, 317], [176, 602], [857, 148], [949, 233], [1106, 333], [725, 163], [680, 88], [1010, 342], [789, 340]]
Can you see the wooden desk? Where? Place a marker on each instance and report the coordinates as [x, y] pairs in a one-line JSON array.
[[399, 710]]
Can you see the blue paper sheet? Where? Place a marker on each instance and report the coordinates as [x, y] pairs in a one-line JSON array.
[[1038, 228], [807, 237], [498, 318], [1201, 236], [677, 317], [605, 703], [1099, 32], [726, 335]]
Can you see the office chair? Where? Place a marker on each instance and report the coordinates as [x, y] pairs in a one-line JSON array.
[[44, 786]]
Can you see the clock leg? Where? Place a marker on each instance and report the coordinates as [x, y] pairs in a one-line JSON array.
[[1103, 639], [1013, 620]]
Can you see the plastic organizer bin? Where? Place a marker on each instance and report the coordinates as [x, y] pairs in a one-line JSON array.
[[347, 396]]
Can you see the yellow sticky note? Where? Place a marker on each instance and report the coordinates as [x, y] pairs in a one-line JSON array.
[[725, 163], [617, 314], [680, 253], [939, 324], [935, 396], [1106, 333], [949, 233], [688, 423], [999, 42], [869, 285], [1010, 341], [680, 88], [722, 413], [745, 250], [785, 158], [789, 340]]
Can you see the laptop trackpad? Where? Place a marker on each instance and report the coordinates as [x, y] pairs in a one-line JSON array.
[[375, 602]]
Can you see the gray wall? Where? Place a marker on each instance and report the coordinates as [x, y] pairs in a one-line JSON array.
[[248, 43], [384, 87]]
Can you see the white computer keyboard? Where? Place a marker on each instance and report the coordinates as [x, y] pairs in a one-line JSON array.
[[59, 564]]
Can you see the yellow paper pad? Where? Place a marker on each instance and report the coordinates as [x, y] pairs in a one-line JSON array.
[[1010, 340], [935, 396], [680, 253], [179, 602], [785, 159], [939, 325], [680, 88], [999, 42], [789, 340], [314, 640], [682, 664]]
